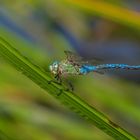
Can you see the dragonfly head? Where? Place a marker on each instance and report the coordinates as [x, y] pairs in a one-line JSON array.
[[54, 67]]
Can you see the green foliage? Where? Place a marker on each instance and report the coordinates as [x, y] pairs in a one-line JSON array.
[[26, 112], [42, 78]]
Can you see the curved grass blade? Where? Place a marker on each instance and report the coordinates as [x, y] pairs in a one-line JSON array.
[[41, 78], [109, 11]]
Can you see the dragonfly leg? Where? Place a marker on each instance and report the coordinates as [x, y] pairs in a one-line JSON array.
[[67, 89], [71, 86], [57, 81], [58, 78]]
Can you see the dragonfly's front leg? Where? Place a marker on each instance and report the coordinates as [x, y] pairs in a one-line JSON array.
[[58, 78], [57, 81], [70, 86]]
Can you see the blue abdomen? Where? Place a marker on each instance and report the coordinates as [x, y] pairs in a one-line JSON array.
[[90, 68], [117, 66], [87, 68]]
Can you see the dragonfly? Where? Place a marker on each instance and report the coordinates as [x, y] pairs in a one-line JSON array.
[[76, 65]]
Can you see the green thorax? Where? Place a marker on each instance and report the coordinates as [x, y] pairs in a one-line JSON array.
[[67, 67]]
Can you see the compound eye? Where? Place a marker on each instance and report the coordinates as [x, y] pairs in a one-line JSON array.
[[56, 65]]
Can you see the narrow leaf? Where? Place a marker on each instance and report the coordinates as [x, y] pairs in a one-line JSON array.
[[41, 78], [109, 11]]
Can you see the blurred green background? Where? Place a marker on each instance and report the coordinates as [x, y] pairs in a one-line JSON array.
[[42, 30]]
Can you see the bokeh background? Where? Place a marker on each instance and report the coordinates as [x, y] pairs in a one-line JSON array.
[[41, 30]]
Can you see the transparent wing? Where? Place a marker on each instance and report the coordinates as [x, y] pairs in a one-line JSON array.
[[74, 58]]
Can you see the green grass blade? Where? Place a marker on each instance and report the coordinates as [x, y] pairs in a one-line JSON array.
[[41, 78], [109, 11]]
